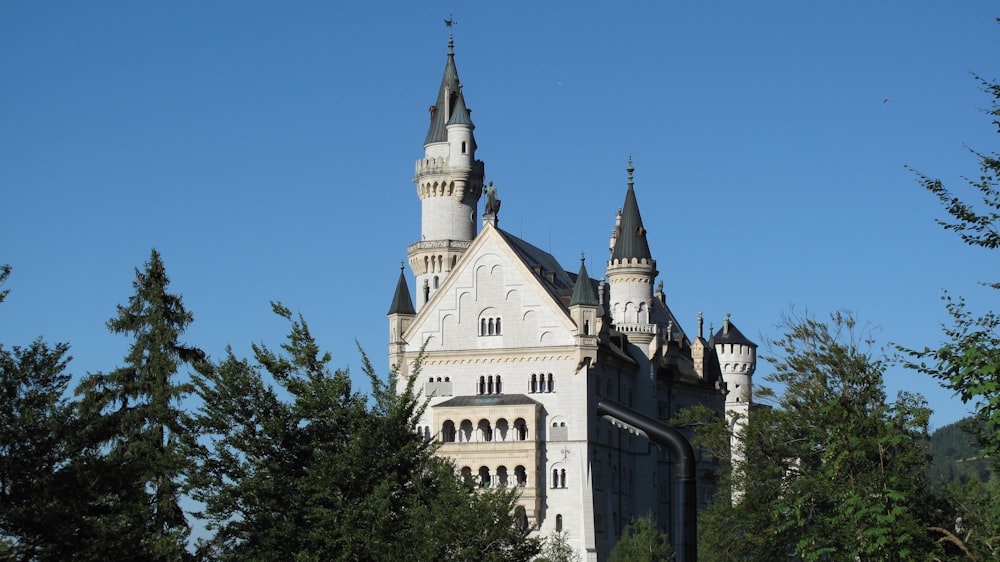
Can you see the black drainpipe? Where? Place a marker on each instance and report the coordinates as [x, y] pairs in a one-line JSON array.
[[686, 546]]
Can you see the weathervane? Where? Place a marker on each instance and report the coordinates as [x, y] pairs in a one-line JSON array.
[[450, 21]]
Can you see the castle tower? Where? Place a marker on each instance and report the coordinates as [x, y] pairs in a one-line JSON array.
[[449, 183], [737, 359], [631, 272]]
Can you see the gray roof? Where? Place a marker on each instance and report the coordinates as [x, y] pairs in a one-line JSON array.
[[402, 303], [486, 400], [630, 237], [734, 336], [449, 95], [583, 291]]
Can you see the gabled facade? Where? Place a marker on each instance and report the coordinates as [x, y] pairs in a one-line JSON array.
[[518, 350]]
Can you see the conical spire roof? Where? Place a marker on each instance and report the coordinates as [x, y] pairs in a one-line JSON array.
[[402, 303], [630, 237], [583, 291], [449, 96]]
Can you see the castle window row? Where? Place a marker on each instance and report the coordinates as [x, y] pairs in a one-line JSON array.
[[538, 383], [483, 431], [501, 477], [488, 386], [489, 327]]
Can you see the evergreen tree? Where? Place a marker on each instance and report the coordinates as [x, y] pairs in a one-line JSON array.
[[834, 471], [133, 413], [327, 475], [642, 541]]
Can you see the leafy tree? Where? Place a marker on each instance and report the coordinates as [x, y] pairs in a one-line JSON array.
[[642, 541], [308, 469], [969, 361], [834, 471], [134, 414], [558, 549]]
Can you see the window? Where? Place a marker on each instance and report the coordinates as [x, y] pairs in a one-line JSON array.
[[489, 326], [562, 478], [448, 432], [558, 522], [552, 384], [534, 383]]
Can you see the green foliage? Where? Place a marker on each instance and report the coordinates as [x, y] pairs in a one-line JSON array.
[[308, 469], [642, 541], [834, 470], [973, 531], [36, 423], [558, 549], [134, 414], [969, 361]]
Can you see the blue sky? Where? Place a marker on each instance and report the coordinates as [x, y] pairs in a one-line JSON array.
[[267, 150]]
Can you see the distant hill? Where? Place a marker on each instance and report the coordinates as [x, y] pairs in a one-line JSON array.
[[955, 456]]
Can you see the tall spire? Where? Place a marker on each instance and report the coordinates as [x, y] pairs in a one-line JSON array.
[[448, 96], [630, 237]]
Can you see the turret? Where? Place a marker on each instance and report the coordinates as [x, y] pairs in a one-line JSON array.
[[738, 360], [449, 183], [583, 309], [401, 314], [631, 272]]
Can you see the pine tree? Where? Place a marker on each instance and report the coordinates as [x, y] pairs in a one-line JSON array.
[[305, 467], [134, 414]]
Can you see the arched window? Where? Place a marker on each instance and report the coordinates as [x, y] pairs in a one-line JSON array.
[[490, 387], [482, 327], [498, 326], [520, 429], [482, 385], [534, 383], [484, 477], [499, 390], [502, 429], [521, 476], [465, 431], [448, 432], [586, 327], [559, 522], [562, 478], [436, 281], [484, 432], [502, 477], [555, 478], [467, 476], [490, 325], [552, 384], [541, 382]]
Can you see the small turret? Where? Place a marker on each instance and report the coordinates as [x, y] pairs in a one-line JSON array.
[[401, 314], [738, 360], [583, 309]]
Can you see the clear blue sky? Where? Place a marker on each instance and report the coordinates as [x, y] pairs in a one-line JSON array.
[[267, 151]]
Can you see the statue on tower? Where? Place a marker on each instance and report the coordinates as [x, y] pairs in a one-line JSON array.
[[492, 202]]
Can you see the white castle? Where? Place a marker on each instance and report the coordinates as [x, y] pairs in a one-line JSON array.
[[518, 350]]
